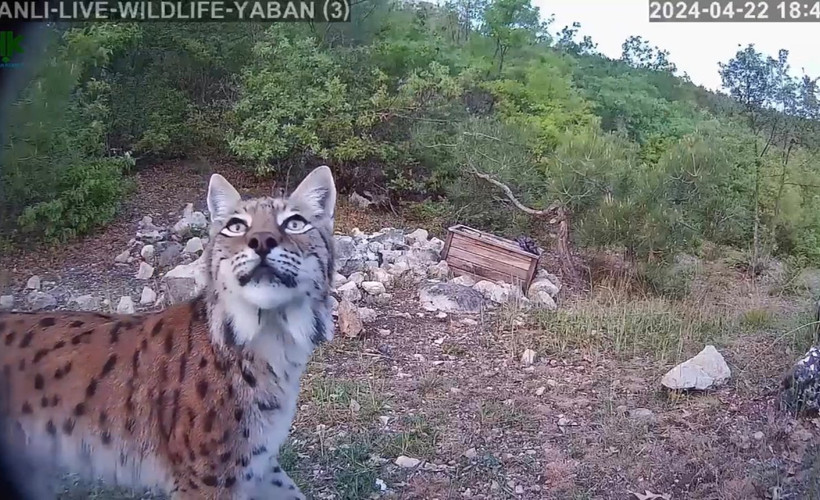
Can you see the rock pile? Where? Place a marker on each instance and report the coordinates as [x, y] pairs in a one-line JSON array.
[[370, 266]]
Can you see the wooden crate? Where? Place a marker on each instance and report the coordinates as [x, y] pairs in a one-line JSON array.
[[486, 256]]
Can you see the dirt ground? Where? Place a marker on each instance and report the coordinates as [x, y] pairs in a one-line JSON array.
[[587, 420]]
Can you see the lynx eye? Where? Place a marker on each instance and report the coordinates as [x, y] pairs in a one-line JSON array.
[[296, 224], [234, 227]]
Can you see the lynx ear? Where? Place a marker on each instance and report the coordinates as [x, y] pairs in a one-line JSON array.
[[318, 192], [222, 197]]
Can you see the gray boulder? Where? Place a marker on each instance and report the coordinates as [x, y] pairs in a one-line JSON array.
[[450, 297]]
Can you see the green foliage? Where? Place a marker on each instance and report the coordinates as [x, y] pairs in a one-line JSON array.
[[88, 196]]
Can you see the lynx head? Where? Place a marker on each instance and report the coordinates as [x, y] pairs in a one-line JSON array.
[[272, 253]]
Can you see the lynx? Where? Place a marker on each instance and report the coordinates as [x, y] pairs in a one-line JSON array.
[[195, 400]]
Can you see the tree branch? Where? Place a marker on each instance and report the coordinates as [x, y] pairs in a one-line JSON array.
[[551, 210]]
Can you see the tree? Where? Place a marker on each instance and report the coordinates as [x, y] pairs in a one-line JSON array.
[[637, 52], [781, 113], [566, 41], [510, 23]]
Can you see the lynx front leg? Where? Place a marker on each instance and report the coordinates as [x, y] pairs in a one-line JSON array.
[[275, 484]]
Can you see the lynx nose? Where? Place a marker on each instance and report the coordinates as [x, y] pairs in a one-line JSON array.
[[262, 243]]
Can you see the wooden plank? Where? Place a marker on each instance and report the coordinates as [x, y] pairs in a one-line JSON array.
[[486, 273], [495, 253], [530, 275], [447, 243], [488, 238], [481, 261]]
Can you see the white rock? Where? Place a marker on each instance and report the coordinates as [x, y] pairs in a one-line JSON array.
[[194, 245], [357, 277], [148, 296], [373, 287], [441, 315], [471, 453], [407, 462], [441, 270], [416, 237], [350, 323], [541, 298], [380, 275], [125, 305], [703, 371], [384, 420], [500, 293], [122, 258], [540, 391], [399, 268], [147, 253], [359, 201], [368, 315], [338, 280], [185, 281], [463, 280], [6, 302], [544, 285], [145, 271], [436, 245], [350, 291], [33, 283], [528, 357], [86, 302]]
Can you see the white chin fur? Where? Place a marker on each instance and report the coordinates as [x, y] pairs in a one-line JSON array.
[[266, 295]]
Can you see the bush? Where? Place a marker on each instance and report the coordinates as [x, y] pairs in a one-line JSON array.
[[88, 197]]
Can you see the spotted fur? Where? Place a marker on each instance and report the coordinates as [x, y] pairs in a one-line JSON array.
[[195, 400]]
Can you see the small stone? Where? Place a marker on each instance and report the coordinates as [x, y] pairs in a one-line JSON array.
[[384, 420], [147, 253], [441, 315], [194, 245], [33, 283], [85, 303], [355, 406], [338, 280], [368, 315], [407, 462], [642, 414], [145, 271], [350, 291], [6, 302], [122, 258], [440, 270], [469, 322], [384, 331], [540, 391], [417, 236], [350, 323], [125, 305], [494, 486], [41, 300], [148, 296], [463, 280], [759, 436], [528, 357], [519, 490], [373, 287], [471, 453], [169, 255], [357, 277]]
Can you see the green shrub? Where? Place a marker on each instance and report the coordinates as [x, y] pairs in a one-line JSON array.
[[88, 197]]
